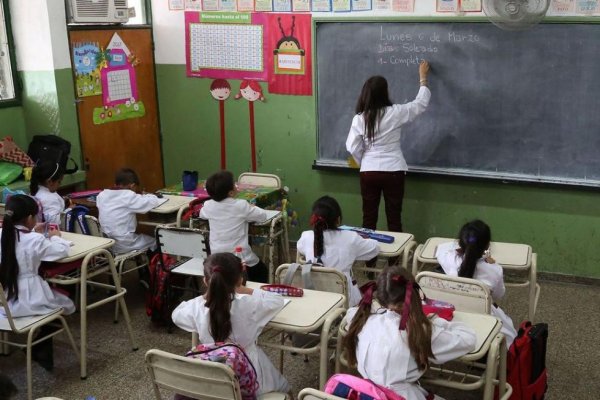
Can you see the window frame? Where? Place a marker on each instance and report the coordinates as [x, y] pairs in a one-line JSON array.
[[15, 101]]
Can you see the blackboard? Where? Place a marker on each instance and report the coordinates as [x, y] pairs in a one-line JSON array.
[[508, 105]]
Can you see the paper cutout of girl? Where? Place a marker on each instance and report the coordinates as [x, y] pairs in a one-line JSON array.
[[251, 91], [220, 90]]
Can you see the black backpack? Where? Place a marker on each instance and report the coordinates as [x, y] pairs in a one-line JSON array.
[[53, 148]]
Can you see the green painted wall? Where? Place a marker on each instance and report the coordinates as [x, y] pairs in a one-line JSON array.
[[560, 223], [12, 123]]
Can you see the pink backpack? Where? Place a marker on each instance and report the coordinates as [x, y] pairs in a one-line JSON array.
[[354, 388]]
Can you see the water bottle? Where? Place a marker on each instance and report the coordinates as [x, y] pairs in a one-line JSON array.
[[238, 253]]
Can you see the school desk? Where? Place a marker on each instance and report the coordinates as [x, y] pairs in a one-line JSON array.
[[166, 213], [315, 310], [511, 256], [490, 344], [97, 260]]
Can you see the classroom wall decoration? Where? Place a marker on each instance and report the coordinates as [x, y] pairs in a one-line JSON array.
[[88, 59], [251, 91], [220, 90], [119, 85], [446, 5], [289, 38], [225, 45]]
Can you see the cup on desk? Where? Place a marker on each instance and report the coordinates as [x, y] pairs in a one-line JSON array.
[[48, 227]]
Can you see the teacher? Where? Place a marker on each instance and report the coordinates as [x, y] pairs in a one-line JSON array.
[[374, 143]]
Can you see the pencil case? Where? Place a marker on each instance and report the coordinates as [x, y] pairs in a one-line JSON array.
[[284, 290], [442, 309]]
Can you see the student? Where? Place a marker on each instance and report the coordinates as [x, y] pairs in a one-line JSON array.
[[394, 344], [45, 181], [22, 251], [230, 312], [470, 259], [117, 208], [228, 220], [374, 143], [334, 248]]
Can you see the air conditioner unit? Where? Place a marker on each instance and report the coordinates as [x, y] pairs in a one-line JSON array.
[[98, 11]]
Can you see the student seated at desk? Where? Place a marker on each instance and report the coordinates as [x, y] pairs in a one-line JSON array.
[[470, 258], [230, 312], [22, 251], [334, 248], [46, 178], [228, 220], [116, 212], [393, 345]]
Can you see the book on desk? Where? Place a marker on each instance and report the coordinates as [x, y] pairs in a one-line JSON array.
[[369, 233]]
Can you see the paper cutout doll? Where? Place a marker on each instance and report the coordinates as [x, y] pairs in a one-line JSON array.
[[251, 91], [220, 90]]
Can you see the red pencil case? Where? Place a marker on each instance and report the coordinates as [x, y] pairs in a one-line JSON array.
[[441, 308], [284, 290]]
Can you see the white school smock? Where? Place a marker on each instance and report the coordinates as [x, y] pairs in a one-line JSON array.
[[340, 250], [52, 205], [116, 214], [35, 295], [385, 153], [384, 357], [228, 223], [249, 315], [490, 275]]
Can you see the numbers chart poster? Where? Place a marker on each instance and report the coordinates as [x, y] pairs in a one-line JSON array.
[[225, 45]]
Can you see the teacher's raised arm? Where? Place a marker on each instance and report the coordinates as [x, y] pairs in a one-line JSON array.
[[374, 143]]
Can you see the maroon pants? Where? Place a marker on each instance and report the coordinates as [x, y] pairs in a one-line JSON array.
[[372, 184]]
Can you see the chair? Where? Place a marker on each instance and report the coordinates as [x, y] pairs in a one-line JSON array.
[[138, 258], [254, 178], [466, 294], [198, 379], [29, 326], [189, 245], [314, 394]]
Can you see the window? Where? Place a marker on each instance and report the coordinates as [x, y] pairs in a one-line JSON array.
[[7, 65]]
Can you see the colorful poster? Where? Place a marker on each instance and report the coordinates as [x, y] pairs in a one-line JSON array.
[[447, 5], [210, 5], [340, 5], [586, 6], [470, 5], [321, 5], [403, 5], [88, 59], [300, 5], [245, 5], [193, 5], [563, 6], [289, 54], [361, 5], [227, 5], [225, 45], [382, 5], [263, 5], [176, 5], [282, 5]]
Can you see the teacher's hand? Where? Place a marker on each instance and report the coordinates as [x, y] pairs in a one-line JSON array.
[[423, 70]]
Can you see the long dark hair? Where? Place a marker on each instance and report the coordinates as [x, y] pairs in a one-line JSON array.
[[43, 172], [373, 100], [391, 291], [222, 271], [326, 214], [474, 239], [17, 209]]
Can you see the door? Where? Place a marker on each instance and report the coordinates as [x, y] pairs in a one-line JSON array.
[[109, 141]]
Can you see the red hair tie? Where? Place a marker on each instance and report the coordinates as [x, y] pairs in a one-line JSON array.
[[315, 218], [217, 269], [367, 291], [407, 298]]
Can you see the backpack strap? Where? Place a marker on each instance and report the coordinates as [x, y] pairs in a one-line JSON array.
[[80, 213], [69, 220], [306, 279], [289, 275]]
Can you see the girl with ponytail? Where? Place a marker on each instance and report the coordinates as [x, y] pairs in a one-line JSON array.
[[335, 248], [231, 312], [470, 258], [45, 181], [393, 342]]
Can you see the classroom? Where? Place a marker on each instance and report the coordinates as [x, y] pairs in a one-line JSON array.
[[527, 164]]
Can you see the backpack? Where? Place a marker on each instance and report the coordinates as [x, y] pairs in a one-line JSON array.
[[354, 388], [234, 357], [77, 215], [53, 148], [526, 362], [158, 297]]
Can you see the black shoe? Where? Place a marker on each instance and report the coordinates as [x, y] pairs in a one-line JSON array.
[[43, 354]]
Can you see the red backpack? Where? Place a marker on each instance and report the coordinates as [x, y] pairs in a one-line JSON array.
[[158, 306], [526, 362]]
